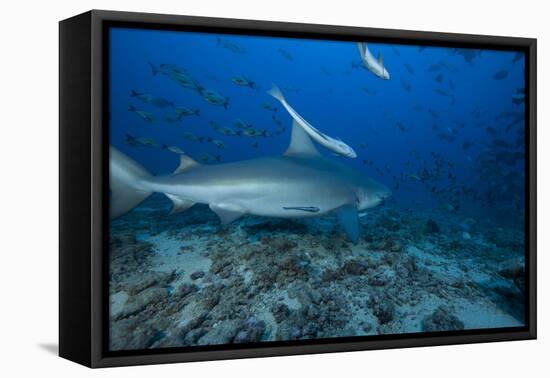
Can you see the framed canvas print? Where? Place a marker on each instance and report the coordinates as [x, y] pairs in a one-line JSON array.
[[233, 188]]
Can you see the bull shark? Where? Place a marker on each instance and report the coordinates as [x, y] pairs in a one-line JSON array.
[[298, 184], [376, 66]]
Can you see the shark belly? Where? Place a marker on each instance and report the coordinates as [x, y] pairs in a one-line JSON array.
[[297, 199]]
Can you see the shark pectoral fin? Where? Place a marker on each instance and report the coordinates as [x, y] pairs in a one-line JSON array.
[[186, 163], [227, 213], [347, 215], [179, 204], [300, 143]]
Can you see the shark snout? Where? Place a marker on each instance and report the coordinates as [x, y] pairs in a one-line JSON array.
[[373, 195]]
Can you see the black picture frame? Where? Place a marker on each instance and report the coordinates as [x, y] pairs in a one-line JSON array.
[[83, 181]]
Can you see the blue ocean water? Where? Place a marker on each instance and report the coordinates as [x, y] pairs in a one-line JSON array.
[[445, 134]]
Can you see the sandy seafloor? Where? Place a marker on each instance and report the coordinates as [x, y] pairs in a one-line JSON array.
[[183, 280]]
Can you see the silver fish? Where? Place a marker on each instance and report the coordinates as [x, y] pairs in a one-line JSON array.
[[213, 97], [186, 112], [335, 145], [146, 116], [243, 82], [376, 66], [174, 149]]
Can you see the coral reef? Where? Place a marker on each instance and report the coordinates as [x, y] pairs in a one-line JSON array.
[[184, 280]]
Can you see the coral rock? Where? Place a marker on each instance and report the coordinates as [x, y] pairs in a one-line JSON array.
[[441, 320]]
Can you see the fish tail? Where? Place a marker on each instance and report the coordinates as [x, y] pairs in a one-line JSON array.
[[276, 93], [163, 147], [200, 139], [218, 158], [238, 132], [134, 93], [252, 84], [154, 69], [130, 138], [125, 180], [131, 108], [197, 112], [226, 103]]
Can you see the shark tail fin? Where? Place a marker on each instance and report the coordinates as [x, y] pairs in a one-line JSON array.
[[276, 93], [125, 179]]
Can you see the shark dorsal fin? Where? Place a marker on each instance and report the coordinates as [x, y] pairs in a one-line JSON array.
[[300, 143], [186, 163], [381, 59]]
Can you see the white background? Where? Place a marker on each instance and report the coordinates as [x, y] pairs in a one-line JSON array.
[[29, 188]]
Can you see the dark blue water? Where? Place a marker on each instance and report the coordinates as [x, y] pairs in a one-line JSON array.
[[340, 100], [445, 134]]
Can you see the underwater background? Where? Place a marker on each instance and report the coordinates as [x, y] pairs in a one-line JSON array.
[[446, 133]]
